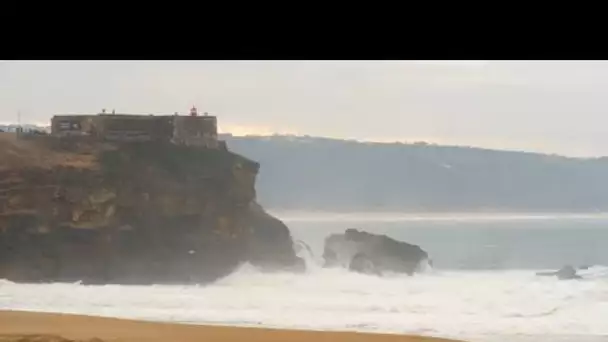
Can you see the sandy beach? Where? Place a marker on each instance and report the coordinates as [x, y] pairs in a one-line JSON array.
[[48, 327]]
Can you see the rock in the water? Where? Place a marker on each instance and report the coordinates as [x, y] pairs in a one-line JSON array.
[[565, 273], [363, 264], [369, 253]]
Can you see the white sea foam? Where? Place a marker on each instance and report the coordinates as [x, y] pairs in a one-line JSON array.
[[479, 306]]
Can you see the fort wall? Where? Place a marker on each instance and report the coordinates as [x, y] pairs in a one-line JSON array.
[[195, 131], [181, 130]]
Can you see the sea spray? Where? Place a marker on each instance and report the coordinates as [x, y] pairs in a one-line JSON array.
[[304, 251], [461, 304]]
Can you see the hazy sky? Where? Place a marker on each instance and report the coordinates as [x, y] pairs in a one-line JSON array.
[[553, 106]]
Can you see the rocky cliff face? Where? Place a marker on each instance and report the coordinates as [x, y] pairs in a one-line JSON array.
[[134, 213], [364, 252]]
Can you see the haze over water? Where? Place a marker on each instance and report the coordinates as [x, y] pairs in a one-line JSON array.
[[483, 287]]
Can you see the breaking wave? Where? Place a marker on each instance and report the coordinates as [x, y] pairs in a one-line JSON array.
[[483, 306], [508, 303]]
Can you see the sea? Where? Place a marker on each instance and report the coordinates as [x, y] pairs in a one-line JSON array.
[[482, 286]]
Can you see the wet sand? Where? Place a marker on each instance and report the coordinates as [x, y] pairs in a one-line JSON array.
[[15, 325]]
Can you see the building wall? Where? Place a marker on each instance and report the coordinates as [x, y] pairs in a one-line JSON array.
[[186, 130], [135, 127], [196, 131], [71, 125]]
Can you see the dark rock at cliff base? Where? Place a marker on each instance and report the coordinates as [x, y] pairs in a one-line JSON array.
[[137, 213], [269, 245], [368, 253]]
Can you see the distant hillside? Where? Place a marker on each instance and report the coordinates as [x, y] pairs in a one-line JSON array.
[[304, 173]]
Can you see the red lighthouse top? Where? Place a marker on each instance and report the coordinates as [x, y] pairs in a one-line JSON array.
[[193, 111]]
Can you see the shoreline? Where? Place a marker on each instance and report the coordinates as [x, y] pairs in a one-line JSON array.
[[393, 216], [46, 327]]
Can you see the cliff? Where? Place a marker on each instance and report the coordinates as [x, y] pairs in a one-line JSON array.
[[131, 213]]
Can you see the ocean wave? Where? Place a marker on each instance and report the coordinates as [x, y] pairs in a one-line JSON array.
[[437, 302]]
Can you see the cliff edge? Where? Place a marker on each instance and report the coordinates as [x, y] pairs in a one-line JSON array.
[[137, 213]]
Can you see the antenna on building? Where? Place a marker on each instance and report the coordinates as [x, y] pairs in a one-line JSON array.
[[19, 129]]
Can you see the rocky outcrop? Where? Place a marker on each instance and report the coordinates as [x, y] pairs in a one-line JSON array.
[[368, 253], [565, 273], [132, 213]]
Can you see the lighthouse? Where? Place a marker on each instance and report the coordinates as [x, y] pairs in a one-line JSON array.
[[193, 111]]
